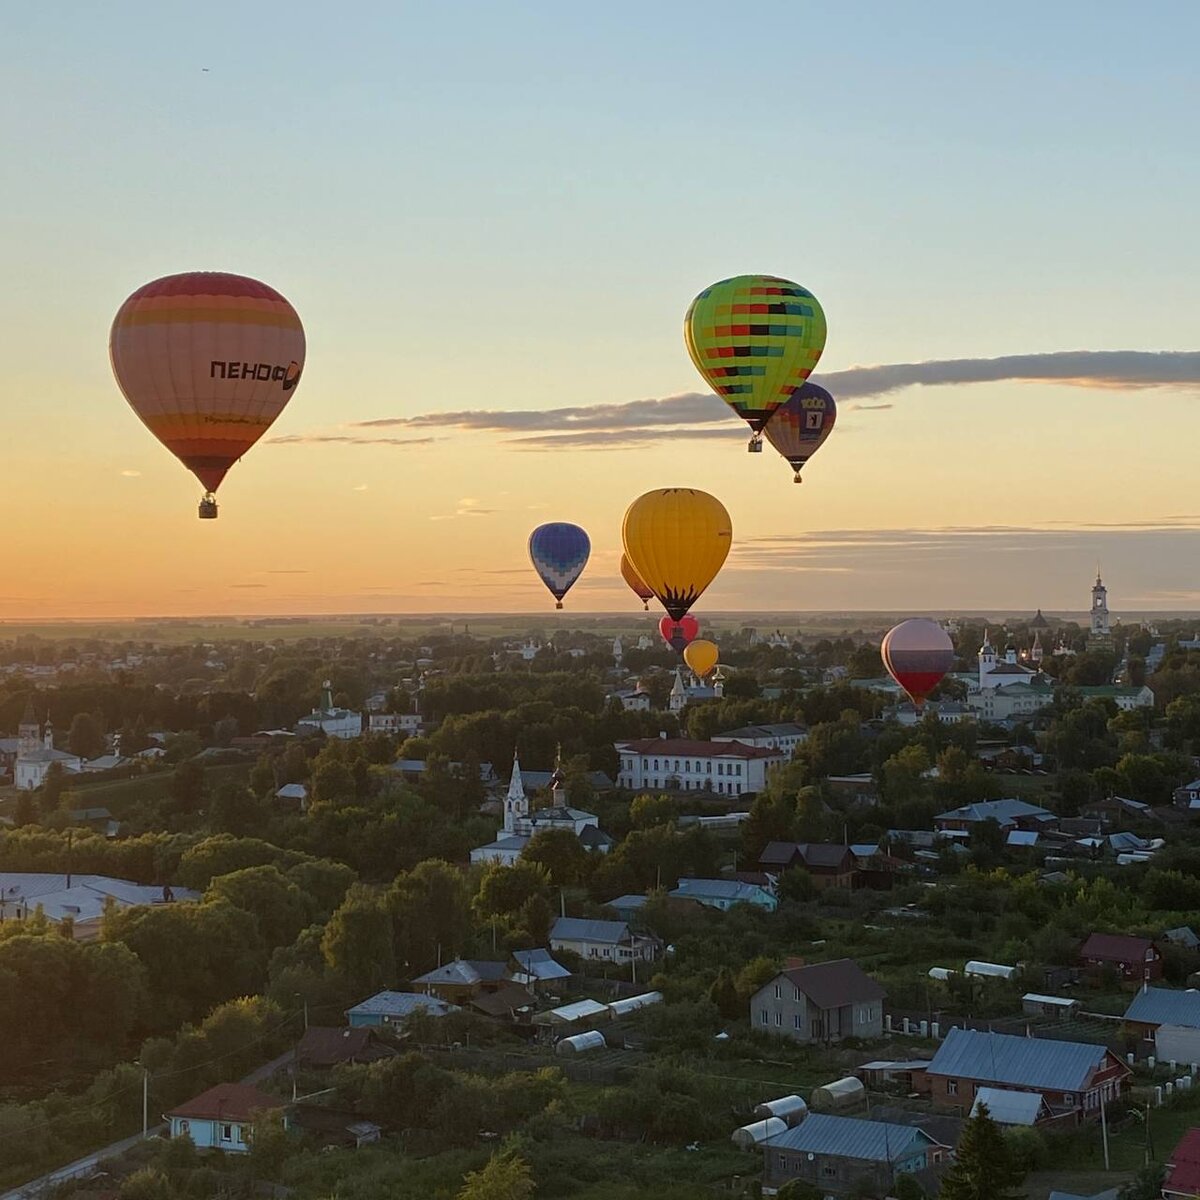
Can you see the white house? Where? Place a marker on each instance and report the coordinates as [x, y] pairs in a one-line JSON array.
[[222, 1117], [608, 941], [785, 736], [406, 724], [632, 699], [683, 694], [332, 722], [727, 768], [995, 672]]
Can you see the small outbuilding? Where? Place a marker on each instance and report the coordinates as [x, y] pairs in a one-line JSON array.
[[839, 1095], [791, 1109], [749, 1137], [581, 1043]]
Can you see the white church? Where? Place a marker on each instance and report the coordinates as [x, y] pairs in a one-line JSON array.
[[522, 821]]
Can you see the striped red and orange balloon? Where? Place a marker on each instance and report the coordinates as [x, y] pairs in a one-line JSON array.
[[208, 361]]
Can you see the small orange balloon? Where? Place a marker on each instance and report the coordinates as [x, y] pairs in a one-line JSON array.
[[701, 656]]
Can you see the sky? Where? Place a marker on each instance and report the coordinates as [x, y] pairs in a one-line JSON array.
[[491, 220]]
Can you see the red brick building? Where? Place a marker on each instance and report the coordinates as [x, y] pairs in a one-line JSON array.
[[1136, 959]]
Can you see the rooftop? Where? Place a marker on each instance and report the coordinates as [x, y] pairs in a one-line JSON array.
[[686, 748], [996, 810], [227, 1102], [1165, 1006], [1116, 947], [1018, 1061], [832, 984], [1183, 1170], [850, 1137], [719, 889], [581, 929], [464, 973], [1007, 1107], [400, 1004]]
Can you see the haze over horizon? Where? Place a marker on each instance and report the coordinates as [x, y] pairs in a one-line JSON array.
[[492, 242]]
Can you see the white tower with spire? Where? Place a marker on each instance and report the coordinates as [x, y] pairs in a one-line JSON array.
[[516, 803], [679, 697], [618, 651], [987, 659], [1037, 653], [1100, 625]]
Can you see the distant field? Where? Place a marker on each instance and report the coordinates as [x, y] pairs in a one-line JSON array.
[[170, 630]]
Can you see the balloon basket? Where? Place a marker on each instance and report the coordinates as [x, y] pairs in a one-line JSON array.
[[796, 478], [558, 604], [754, 446], [208, 508]]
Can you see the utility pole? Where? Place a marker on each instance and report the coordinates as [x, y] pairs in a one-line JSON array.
[[145, 1103], [1104, 1129]]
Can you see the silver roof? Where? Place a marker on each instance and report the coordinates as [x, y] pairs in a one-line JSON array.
[[850, 1137], [1165, 1006], [1022, 1062]]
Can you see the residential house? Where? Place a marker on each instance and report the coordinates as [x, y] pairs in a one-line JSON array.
[[605, 941], [630, 699], [821, 1002], [1071, 1076], [330, 720], [1113, 809], [1188, 796], [510, 1002], [463, 980], [1154, 1008], [324, 1046], [785, 736], [293, 795], [392, 1009], [847, 1155], [629, 906], [855, 791], [1008, 814], [828, 865], [1011, 1107], [681, 764], [538, 970], [1135, 959], [723, 894], [78, 899], [222, 1117], [1183, 936], [1182, 1181]]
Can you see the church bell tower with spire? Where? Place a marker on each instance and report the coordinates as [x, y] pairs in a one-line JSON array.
[[1101, 631]]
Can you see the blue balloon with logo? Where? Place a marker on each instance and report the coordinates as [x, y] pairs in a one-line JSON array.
[[559, 552]]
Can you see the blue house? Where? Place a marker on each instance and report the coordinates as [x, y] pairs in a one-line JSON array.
[[394, 1008], [723, 894]]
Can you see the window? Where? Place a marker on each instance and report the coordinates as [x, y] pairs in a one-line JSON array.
[[709, 765], [720, 768], [779, 991], [796, 994], [796, 1021], [766, 1017], [227, 1133], [951, 1087], [779, 1018], [783, 1162], [656, 764], [828, 1170], [644, 761]]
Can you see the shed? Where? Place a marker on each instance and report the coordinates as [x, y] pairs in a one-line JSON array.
[[987, 970], [751, 1136], [631, 1004], [581, 1043], [1036, 1005], [791, 1109], [941, 973], [840, 1094], [589, 1012], [1007, 1107]]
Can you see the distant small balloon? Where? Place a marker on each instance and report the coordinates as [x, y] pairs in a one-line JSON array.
[[677, 634], [636, 585], [917, 654], [559, 552], [701, 657]]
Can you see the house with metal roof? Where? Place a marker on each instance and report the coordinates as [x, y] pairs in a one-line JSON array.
[[1008, 814], [785, 736], [1135, 959], [685, 764], [222, 1117], [839, 1155], [1188, 796], [462, 980], [828, 864], [821, 1002], [537, 969], [1071, 1076], [1153, 1007], [1010, 1107], [723, 894], [606, 941], [325, 1046], [389, 1008]]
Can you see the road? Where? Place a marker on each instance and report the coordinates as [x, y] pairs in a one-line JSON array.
[[86, 1165]]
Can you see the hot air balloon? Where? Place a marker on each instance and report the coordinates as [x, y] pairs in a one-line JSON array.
[[701, 656], [677, 540], [755, 338], [631, 577], [207, 361], [917, 653], [559, 553], [798, 428], [679, 634]]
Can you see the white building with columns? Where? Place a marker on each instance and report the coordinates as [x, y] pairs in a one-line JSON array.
[[681, 764]]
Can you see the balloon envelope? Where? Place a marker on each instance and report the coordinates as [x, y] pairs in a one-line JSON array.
[[701, 656], [755, 338], [917, 654], [798, 428], [631, 577], [559, 552], [678, 634], [677, 539], [207, 361]]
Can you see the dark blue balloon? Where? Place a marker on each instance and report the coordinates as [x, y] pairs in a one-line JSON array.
[[559, 552]]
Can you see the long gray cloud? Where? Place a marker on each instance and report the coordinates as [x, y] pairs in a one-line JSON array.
[[703, 415]]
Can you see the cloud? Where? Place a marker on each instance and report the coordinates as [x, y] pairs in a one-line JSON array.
[[467, 507], [701, 415], [131, 474], [360, 487], [290, 571], [248, 585]]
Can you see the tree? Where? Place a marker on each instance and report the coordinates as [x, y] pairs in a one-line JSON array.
[[560, 853], [235, 809], [270, 1144], [187, 786], [799, 1189], [503, 889], [25, 812], [647, 811], [506, 1177], [274, 901], [86, 738], [984, 1168], [724, 995], [53, 787], [358, 943], [333, 782], [907, 1188], [1146, 1185]]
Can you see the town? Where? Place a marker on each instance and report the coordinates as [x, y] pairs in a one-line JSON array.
[[359, 910]]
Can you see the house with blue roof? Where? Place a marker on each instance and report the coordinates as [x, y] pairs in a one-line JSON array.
[[723, 894], [1008, 814], [1154, 1007], [388, 1008], [840, 1154], [1070, 1076]]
